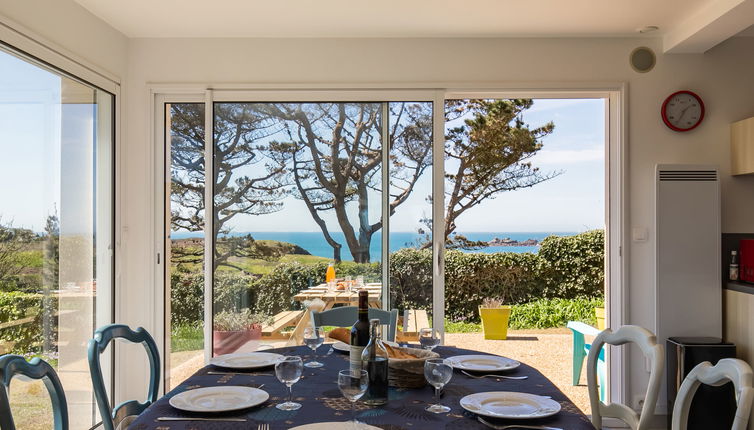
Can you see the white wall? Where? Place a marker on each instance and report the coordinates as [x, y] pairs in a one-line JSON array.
[[69, 25], [723, 77]]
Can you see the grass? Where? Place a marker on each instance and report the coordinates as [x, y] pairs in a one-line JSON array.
[[462, 327], [187, 338]]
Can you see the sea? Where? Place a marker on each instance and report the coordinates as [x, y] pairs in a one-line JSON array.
[[315, 244]]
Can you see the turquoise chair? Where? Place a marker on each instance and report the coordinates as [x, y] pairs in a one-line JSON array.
[[127, 411], [580, 352], [11, 365], [345, 316]]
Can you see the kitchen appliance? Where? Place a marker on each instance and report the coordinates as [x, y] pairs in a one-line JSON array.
[[746, 263], [713, 408]]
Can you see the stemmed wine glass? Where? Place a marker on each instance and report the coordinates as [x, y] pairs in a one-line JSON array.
[[288, 371], [353, 384], [313, 338], [429, 338], [438, 372]]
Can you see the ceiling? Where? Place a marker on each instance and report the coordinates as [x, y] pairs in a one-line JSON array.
[[401, 18]]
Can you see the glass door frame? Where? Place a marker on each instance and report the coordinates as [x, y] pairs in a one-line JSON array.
[[616, 160]]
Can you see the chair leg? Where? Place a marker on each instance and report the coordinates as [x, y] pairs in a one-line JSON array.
[[578, 356]]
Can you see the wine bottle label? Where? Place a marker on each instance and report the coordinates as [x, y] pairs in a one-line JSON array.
[[354, 358]]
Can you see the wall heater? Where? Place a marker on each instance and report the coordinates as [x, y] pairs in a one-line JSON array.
[[687, 225]]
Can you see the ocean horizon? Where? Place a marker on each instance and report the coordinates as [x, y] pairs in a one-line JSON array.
[[315, 244]]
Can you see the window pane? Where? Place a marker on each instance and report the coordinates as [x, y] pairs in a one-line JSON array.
[[185, 292], [298, 186], [56, 229]]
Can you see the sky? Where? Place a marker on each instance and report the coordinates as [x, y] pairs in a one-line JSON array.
[[34, 125], [576, 148]]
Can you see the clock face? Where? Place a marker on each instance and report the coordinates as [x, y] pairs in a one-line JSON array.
[[683, 111]]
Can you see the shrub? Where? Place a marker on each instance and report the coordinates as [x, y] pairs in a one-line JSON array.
[[30, 336], [275, 290], [573, 266], [547, 313]]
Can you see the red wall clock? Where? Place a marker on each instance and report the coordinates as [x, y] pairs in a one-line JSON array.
[[682, 111]]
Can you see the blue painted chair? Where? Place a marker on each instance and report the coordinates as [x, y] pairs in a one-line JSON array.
[[345, 316], [580, 352], [127, 411], [11, 365]]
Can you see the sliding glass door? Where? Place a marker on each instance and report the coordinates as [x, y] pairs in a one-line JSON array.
[[56, 229], [297, 189]]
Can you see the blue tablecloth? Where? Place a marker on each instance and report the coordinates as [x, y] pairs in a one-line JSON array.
[[318, 392]]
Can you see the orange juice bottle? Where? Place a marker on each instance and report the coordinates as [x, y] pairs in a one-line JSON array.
[[330, 274]]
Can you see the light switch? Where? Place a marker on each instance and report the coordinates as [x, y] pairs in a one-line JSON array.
[[640, 234]]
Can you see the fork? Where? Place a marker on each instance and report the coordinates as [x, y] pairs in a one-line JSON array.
[[514, 426], [263, 427], [492, 376]]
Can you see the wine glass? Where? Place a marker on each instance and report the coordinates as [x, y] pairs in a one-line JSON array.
[[353, 384], [438, 372], [288, 371], [313, 338], [429, 338]]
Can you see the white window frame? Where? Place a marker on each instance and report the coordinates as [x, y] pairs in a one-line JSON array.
[[38, 49], [616, 171]]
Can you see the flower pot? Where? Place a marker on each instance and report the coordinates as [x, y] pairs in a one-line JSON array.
[[495, 322], [600, 313], [229, 341]]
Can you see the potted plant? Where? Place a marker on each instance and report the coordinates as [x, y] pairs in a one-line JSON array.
[[599, 312], [494, 318], [231, 330]]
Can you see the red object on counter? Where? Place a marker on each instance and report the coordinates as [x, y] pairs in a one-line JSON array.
[[746, 249]]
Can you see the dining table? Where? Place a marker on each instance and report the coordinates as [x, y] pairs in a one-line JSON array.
[[317, 391]]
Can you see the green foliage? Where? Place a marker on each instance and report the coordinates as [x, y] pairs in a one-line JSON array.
[[573, 265], [462, 327], [187, 337], [564, 268], [547, 313], [27, 337], [275, 290], [238, 320]]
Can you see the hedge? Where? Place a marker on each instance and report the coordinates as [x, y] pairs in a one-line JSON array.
[[17, 305], [566, 267]]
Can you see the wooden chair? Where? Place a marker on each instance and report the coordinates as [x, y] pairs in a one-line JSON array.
[[580, 352], [727, 369], [345, 316], [647, 342], [11, 365], [122, 415]]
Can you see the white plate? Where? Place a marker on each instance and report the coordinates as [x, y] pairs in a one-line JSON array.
[[246, 360], [506, 404], [483, 363], [218, 399], [344, 347], [334, 426]]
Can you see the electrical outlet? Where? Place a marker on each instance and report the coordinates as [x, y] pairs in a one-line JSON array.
[[638, 402]]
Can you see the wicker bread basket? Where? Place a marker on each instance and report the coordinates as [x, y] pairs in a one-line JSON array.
[[409, 372]]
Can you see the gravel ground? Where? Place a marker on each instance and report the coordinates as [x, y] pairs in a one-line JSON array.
[[549, 351]]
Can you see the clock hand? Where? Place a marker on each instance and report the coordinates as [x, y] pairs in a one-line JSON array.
[[683, 112]]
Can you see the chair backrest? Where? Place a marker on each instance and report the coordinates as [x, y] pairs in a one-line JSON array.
[[647, 342], [727, 369], [112, 418], [11, 365], [345, 316]]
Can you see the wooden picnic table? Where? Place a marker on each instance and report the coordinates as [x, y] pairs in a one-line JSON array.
[[331, 298], [286, 319]]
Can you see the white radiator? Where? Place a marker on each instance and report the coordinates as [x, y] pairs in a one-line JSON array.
[[687, 225]]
